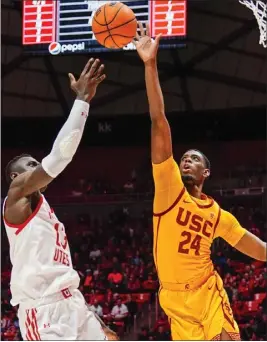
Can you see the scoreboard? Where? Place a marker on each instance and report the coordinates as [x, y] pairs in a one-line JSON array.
[[65, 26]]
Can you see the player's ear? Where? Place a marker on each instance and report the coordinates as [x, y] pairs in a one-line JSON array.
[[13, 175], [206, 173]]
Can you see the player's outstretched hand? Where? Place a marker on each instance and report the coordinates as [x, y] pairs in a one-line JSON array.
[[146, 47], [91, 76]]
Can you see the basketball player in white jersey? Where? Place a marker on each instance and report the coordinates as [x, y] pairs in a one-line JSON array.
[[43, 281]]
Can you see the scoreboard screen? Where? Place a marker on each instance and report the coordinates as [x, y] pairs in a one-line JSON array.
[[65, 26]]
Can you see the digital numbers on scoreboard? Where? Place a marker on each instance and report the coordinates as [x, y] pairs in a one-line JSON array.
[[65, 26]]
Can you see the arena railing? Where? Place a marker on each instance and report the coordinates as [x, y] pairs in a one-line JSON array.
[[145, 196]]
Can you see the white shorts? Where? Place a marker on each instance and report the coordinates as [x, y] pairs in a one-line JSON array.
[[63, 316]]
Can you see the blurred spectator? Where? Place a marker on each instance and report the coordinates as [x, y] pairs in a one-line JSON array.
[[119, 311], [162, 322], [95, 253], [134, 284], [260, 284], [88, 280], [115, 279], [150, 284], [143, 336], [97, 308], [161, 335]]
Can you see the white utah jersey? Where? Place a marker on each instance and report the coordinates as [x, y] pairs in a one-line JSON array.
[[40, 256]]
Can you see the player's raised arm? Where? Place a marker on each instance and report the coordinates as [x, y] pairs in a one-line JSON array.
[[147, 49], [244, 241], [68, 138]]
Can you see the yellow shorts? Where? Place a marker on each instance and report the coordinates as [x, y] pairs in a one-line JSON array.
[[198, 314]]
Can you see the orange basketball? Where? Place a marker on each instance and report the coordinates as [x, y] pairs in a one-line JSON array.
[[114, 25]]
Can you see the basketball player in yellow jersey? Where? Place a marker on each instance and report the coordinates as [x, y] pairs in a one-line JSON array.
[[185, 223]]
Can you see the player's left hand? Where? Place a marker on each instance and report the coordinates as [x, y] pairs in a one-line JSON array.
[[146, 47], [91, 76]]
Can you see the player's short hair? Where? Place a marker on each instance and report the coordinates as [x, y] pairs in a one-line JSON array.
[[10, 165], [207, 162]]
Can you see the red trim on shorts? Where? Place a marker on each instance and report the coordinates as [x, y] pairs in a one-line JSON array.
[[216, 338], [233, 336], [27, 324], [21, 226], [217, 222], [173, 205], [36, 331], [32, 333], [225, 316]]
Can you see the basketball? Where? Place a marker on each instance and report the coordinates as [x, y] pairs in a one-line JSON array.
[[114, 25]]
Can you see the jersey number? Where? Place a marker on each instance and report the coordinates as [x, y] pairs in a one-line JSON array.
[[195, 244], [61, 237]]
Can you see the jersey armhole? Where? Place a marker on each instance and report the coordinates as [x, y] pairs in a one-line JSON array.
[[23, 225], [173, 205]]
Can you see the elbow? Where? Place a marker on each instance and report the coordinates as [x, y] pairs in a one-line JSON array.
[[158, 119]]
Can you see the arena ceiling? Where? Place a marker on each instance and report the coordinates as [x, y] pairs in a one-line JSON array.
[[222, 67]]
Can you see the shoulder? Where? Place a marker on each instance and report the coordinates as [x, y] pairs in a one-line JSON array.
[[16, 211], [20, 211], [226, 216], [169, 163]]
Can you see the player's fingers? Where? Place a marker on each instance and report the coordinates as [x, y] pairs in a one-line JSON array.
[[137, 35], [99, 71], [134, 42], [72, 78], [87, 66], [100, 78], [157, 39], [93, 68], [148, 33], [141, 27]]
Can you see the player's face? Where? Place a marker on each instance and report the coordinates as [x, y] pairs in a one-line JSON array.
[[26, 164], [192, 168]]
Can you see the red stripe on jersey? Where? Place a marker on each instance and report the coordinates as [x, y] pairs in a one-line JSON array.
[[21, 226]]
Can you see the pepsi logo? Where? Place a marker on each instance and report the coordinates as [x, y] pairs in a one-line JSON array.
[[54, 48]]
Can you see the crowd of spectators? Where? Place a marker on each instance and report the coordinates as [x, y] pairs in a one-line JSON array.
[[115, 262], [237, 178]]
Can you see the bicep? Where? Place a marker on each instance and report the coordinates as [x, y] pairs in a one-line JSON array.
[[161, 142], [29, 182], [229, 228]]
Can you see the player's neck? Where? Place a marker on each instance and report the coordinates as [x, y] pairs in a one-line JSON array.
[[194, 190]]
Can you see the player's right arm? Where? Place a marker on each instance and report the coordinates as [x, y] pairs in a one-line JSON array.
[[68, 138], [161, 144], [247, 243], [167, 178]]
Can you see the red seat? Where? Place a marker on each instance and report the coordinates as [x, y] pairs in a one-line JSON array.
[[258, 271], [141, 297], [259, 297], [252, 306], [258, 264]]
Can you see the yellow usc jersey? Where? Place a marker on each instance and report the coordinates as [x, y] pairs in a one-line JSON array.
[[184, 227]]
